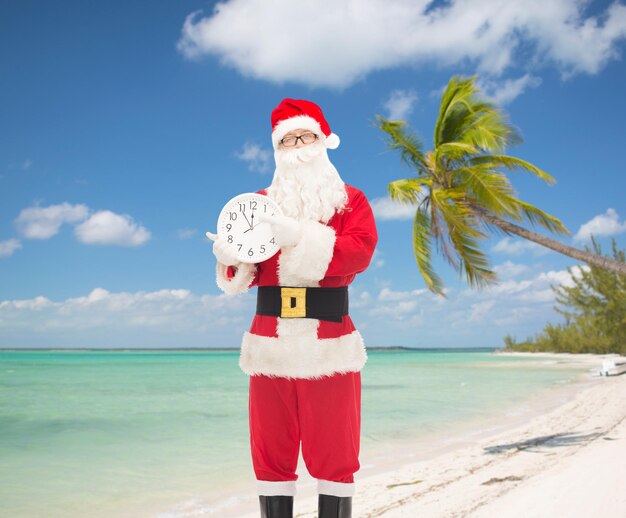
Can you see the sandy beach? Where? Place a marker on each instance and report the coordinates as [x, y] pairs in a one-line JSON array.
[[564, 455]]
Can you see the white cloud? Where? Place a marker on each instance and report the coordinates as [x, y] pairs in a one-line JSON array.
[[44, 222], [398, 310], [108, 228], [534, 289], [101, 228], [518, 246], [524, 289], [606, 224], [400, 104], [480, 310], [359, 298], [503, 92], [186, 233], [155, 313], [563, 277], [26, 164], [7, 248], [387, 294], [386, 208], [36, 303], [343, 41], [258, 158], [509, 269], [512, 303], [405, 306]]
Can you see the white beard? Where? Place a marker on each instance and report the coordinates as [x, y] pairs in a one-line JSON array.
[[306, 184]]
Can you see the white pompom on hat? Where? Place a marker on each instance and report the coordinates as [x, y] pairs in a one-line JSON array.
[[292, 114]]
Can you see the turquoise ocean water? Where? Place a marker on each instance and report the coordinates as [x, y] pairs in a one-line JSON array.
[[138, 433]]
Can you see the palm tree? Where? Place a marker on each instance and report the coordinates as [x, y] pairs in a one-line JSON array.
[[460, 190]]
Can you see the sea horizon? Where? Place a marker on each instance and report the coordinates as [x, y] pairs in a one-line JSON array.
[[369, 348]]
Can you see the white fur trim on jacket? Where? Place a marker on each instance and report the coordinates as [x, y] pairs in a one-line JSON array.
[[305, 263], [297, 355], [302, 122], [240, 281]]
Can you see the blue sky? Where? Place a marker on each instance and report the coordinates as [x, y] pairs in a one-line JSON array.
[[126, 126]]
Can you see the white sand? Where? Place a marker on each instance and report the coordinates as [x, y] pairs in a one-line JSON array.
[[565, 457]]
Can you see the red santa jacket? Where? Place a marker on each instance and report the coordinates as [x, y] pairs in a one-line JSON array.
[[327, 255]]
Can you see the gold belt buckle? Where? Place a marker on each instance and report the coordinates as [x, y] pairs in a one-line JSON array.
[[287, 296]]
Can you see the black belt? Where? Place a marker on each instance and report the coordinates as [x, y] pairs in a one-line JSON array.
[[291, 302]]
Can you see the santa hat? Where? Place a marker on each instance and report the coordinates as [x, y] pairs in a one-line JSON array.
[[292, 114]]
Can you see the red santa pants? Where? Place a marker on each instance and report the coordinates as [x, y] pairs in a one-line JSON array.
[[325, 414]]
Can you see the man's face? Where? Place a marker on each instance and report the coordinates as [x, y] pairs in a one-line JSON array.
[[298, 138]]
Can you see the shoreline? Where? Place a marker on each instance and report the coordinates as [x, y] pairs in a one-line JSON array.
[[473, 465], [506, 473]]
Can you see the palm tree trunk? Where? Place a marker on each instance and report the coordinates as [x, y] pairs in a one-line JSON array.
[[582, 255]]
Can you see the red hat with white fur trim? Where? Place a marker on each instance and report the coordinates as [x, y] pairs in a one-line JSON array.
[[292, 114]]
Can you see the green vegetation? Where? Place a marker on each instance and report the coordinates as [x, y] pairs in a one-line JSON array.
[[595, 313], [461, 189]]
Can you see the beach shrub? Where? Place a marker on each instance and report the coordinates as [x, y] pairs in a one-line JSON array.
[[594, 307]]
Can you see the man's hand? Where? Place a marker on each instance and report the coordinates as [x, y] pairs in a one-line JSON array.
[[286, 230], [223, 253]]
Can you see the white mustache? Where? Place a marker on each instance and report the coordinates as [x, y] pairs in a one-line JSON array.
[[298, 155]]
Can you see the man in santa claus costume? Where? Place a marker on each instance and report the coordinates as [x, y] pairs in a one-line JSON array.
[[304, 363]]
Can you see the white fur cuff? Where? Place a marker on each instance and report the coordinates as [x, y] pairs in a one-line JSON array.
[[328, 487], [275, 488], [241, 280], [308, 260]]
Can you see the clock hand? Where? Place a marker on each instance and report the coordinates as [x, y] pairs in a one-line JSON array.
[[252, 225], [252, 228], [258, 223], [244, 215]]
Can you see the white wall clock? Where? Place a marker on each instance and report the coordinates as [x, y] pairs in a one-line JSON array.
[[239, 223]]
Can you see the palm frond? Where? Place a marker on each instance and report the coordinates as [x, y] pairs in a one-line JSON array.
[[474, 262], [538, 217], [442, 239], [512, 163], [450, 208], [409, 145], [488, 129], [463, 233], [422, 250], [524, 210], [454, 152], [408, 189], [486, 187], [465, 117], [455, 211], [458, 90]]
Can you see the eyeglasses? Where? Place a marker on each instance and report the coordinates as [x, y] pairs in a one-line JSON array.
[[292, 140]]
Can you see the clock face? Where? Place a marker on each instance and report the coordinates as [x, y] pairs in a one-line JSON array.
[[251, 240]]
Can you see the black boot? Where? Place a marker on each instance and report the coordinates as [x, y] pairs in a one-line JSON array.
[[280, 506], [331, 506]]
